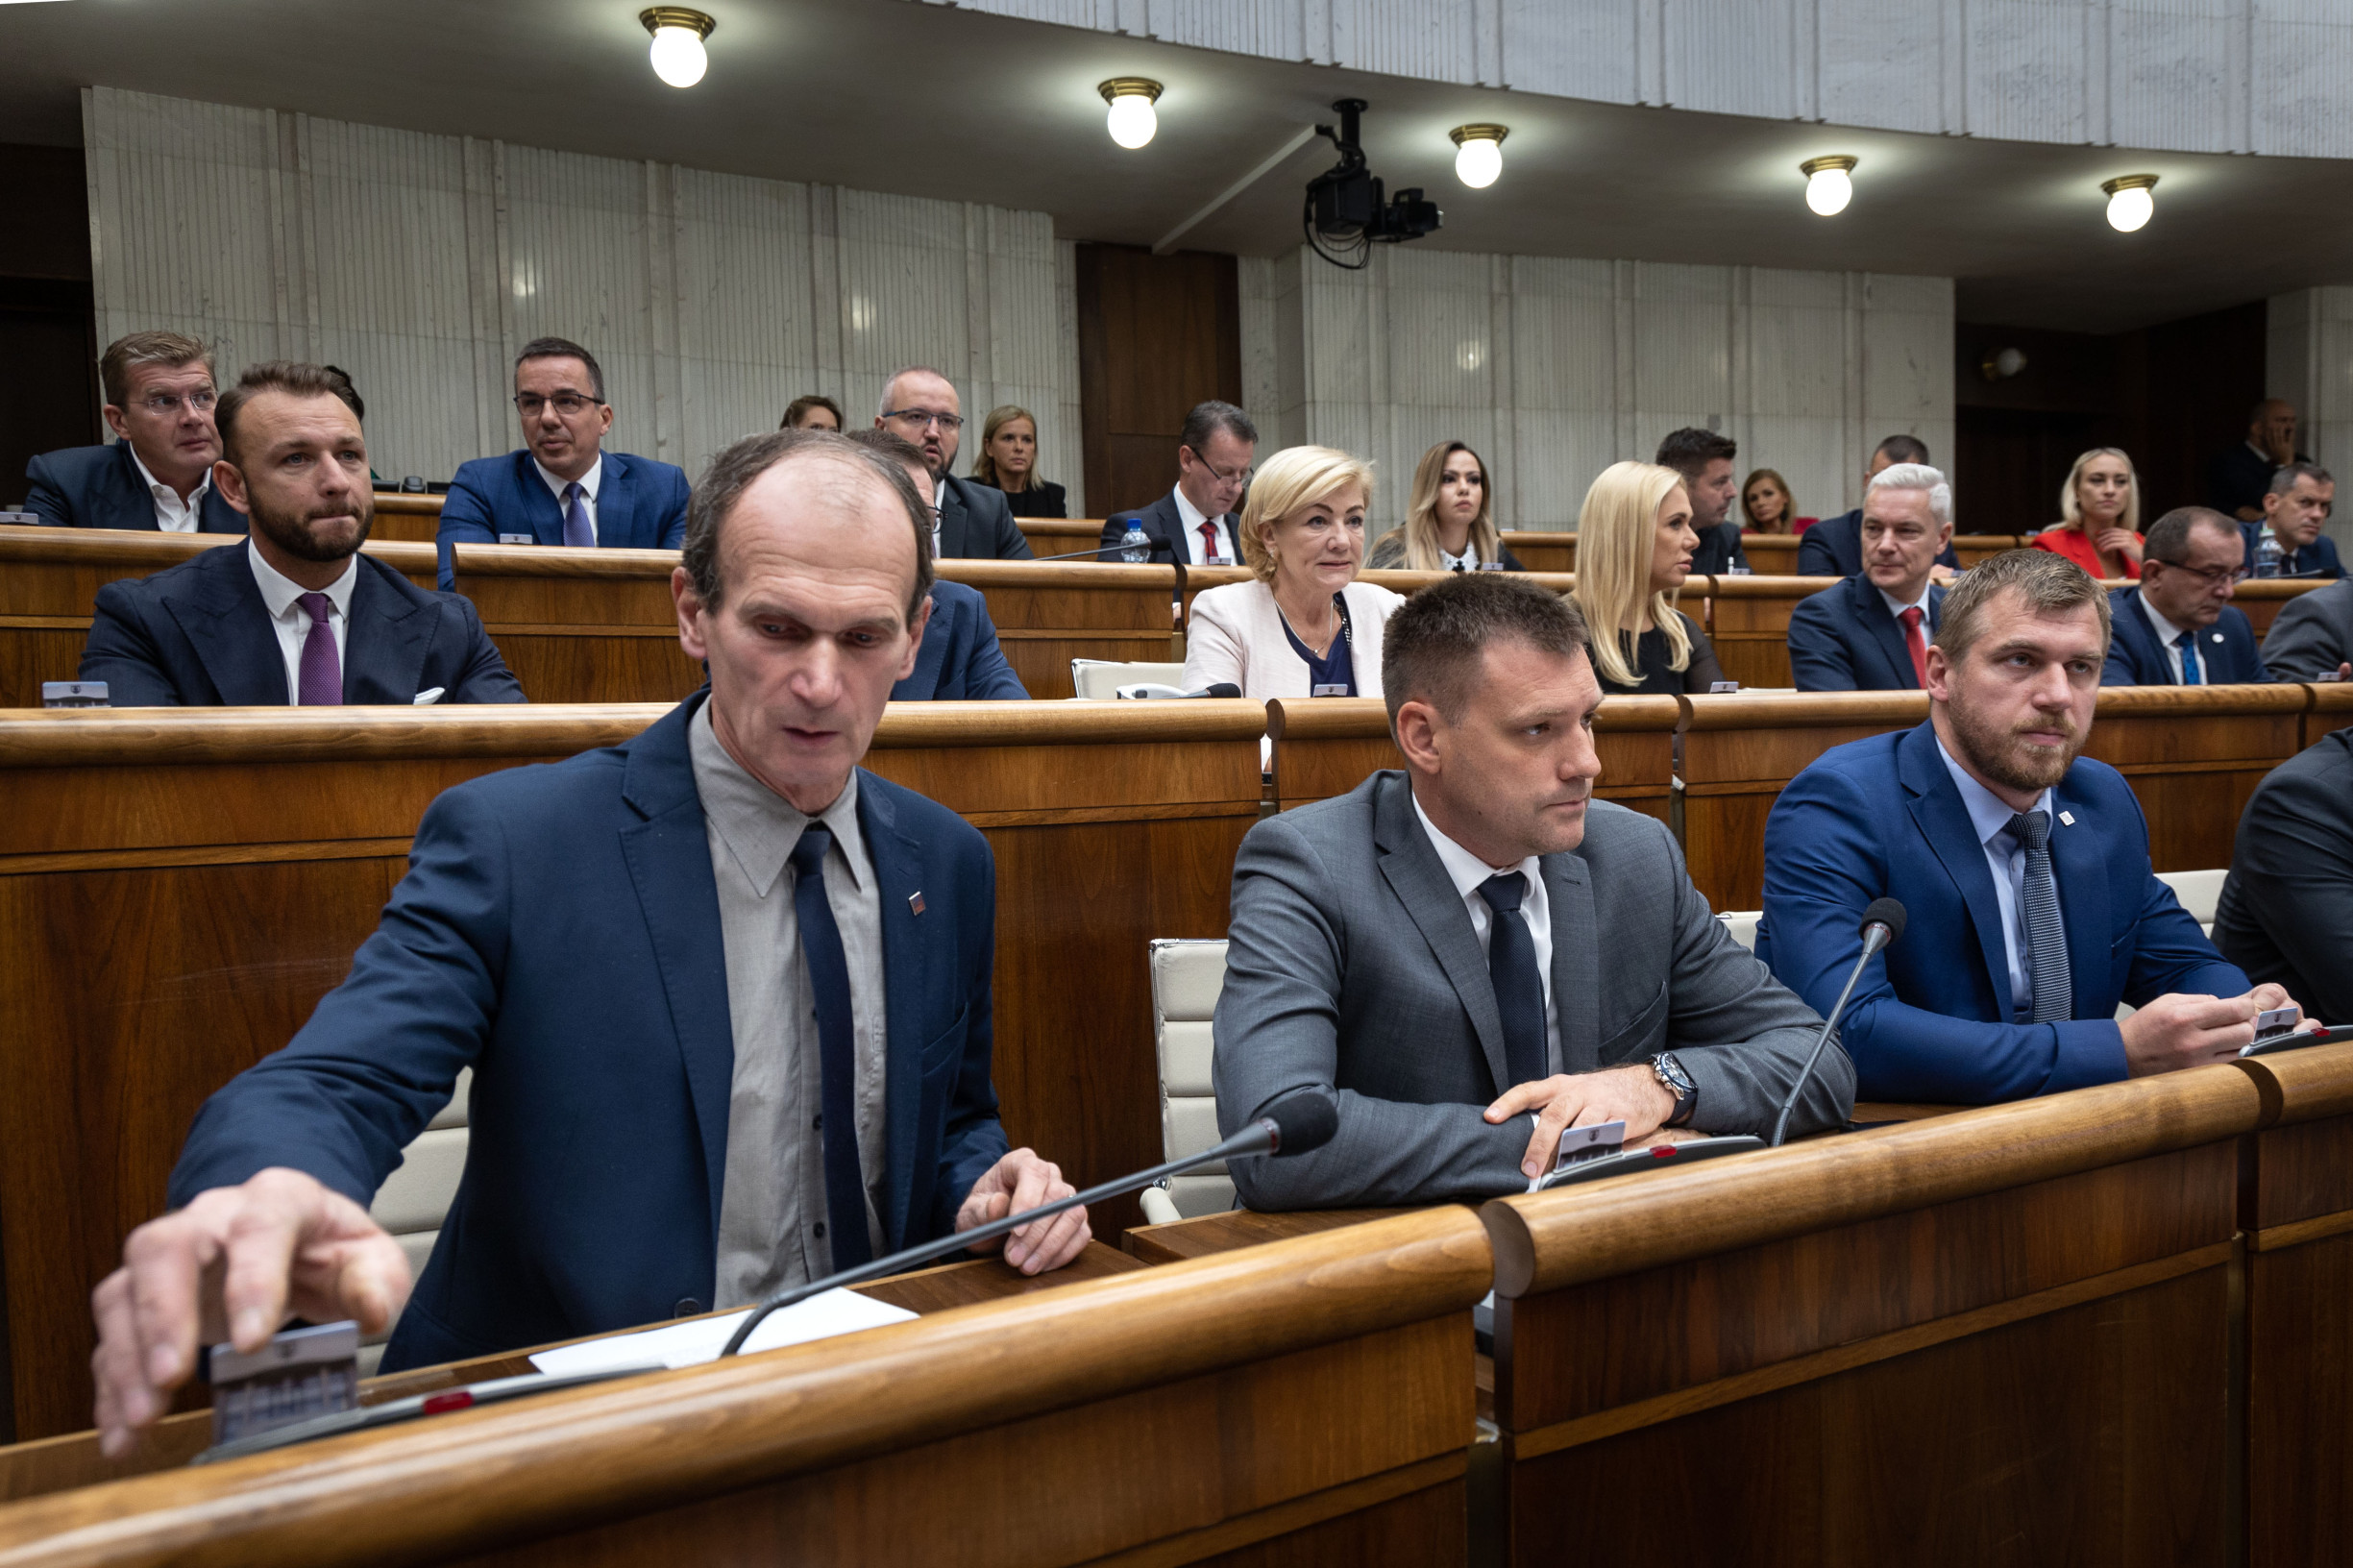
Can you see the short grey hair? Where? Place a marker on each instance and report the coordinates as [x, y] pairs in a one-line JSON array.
[[882, 403], [2284, 480], [1917, 476]]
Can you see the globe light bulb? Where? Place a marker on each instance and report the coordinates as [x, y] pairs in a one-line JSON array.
[[1828, 184], [2131, 202], [1132, 120], [1479, 155], [677, 53]]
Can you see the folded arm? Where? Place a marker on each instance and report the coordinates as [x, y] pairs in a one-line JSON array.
[[465, 519], [121, 653]]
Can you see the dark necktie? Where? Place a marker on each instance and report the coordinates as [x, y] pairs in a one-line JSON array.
[[821, 943], [2054, 998], [1511, 964], [577, 529], [1209, 544], [2191, 673], [322, 671], [1916, 644]]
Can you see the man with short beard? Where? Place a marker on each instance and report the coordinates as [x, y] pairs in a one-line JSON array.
[[2023, 868], [294, 616]]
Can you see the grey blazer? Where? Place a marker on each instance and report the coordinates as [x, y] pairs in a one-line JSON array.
[[2313, 633], [1352, 967]]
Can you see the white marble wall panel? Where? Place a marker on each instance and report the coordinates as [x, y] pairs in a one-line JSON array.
[[2310, 362]]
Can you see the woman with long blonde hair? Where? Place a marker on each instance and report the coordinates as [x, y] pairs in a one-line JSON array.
[[1008, 460], [1303, 626], [1634, 545], [1449, 521], [2099, 510]]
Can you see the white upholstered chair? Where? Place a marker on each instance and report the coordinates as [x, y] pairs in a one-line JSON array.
[[1099, 680], [1187, 976], [414, 1198]]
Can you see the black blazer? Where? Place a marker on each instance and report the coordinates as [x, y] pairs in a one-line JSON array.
[[99, 487], [1720, 549], [1039, 499], [2239, 476], [1388, 555], [1162, 524], [1833, 548], [976, 523], [198, 636], [2286, 914]]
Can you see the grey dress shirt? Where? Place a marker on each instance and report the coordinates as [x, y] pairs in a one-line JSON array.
[[771, 1208]]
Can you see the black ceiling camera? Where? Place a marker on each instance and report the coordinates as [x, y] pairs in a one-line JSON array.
[[1345, 213]]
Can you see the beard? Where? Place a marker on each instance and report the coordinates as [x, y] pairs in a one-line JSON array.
[[291, 531], [2006, 757]]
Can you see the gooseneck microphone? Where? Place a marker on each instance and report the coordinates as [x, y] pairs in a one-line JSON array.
[[1882, 924], [1293, 1125]]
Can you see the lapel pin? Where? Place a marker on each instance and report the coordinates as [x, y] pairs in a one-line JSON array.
[[2067, 817], [915, 903], [2218, 636]]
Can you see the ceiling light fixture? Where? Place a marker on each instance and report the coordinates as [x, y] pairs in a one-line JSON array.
[[1478, 154], [1132, 119], [1828, 185], [2130, 204], [677, 53]]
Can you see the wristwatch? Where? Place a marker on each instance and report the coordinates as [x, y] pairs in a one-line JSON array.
[[1676, 1082]]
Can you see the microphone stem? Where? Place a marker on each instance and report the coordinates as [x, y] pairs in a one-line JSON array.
[[1780, 1123]]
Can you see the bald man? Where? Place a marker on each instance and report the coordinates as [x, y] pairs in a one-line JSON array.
[[920, 406]]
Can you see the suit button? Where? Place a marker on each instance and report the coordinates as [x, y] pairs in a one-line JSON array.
[[821, 1228], [687, 1307]]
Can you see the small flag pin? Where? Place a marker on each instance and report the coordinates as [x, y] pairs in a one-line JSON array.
[[915, 903], [2218, 636], [2067, 817]]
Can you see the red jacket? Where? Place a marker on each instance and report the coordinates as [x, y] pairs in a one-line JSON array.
[[2077, 547]]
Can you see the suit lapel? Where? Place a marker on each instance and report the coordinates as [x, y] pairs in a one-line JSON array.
[[616, 505], [1872, 610], [225, 619], [539, 503], [2079, 864], [1575, 947], [2129, 625], [951, 521], [908, 967], [1414, 875], [383, 651], [669, 855], [1942, 819]]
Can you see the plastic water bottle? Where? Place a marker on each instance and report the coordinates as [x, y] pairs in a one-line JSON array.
[[1135, 546], [2268, 555]]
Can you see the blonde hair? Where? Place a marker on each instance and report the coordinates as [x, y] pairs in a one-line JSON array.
[[1789, 503], [984, 466], [1617, 533], [1421, 527], [1286, 485], [2072, 509]]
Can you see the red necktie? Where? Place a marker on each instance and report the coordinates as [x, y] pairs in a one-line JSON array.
[[1208, 542], [1916, 644]]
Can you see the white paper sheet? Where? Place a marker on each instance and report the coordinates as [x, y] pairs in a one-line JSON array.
[[692, 1343]]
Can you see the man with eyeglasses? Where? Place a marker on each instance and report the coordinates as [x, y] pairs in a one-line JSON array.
[[1201, 516], [2296, 508], [919, 405], [158, 475], [563, 488], [2178, 625]]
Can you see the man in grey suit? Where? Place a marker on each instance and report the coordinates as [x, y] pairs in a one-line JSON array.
[[2311, 637], [1475, 954]]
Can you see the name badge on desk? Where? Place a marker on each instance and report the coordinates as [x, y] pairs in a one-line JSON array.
[[1331, 691], [517, 539]]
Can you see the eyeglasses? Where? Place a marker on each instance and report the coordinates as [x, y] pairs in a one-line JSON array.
[[949, 423], [165, 404], [2210, 576], [567, 404], [1240, 475]]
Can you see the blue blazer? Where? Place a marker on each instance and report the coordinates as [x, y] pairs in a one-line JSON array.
[[198, 636], [99, 487], [1844, 639], [960, 659], [641, 505], [558, 933], [1930, 1020], [1833, 548], [2226, 649], [2317, 559]]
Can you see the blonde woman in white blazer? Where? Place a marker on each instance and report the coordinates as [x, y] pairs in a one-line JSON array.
[[1306, 627]]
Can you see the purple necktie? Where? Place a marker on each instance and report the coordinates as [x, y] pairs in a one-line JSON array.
[[578, 531], [322, 682]]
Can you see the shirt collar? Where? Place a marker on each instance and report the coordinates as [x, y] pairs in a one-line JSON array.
[[759, 826], [2167, 631], [1468, 559], [589, 481], [160, 491], [1191, 516], [1466, 869], [279, 591], [1897, 606], [1989, 815]]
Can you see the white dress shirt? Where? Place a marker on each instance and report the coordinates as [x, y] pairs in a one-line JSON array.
[[2167, 631], [280, 594], [1897, 606], [2005, 856], [1468, 871], [589, 481], [1192, 517], [172, 514]]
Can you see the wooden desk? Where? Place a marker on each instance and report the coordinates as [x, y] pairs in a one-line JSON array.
[[400, 516], [2331, 708], [1748, 620], [1328, 745], [2261, 598], [1200, 577], [1060, 535], [1771, 554], [1972, 548], [186, 884], [2001, 1334], [599, 625], [1542, 551], [49, 583], [1292, 1404]]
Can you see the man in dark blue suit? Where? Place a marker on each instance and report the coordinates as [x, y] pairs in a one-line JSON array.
[[960, 659], [1197, 521], [157, 474], [563, 488], [2024, 869], [1871, 632], [296, 614], [2296, 508], [696, 1079], [2178, 625], [1833, 548]]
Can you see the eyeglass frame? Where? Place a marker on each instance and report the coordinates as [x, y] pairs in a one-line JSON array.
[[949, 423], [586, 400], [1249, 472], [166, 405], [2212, 576]]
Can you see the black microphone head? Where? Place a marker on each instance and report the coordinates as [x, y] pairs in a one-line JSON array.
[[1885, 911], [1303, 1121], [1224, 688]]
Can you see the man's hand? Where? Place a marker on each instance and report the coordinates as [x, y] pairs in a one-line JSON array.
[[233, 1264], [1022, 1181], [1631, 1095], [2121, 542], [2178, 1031]]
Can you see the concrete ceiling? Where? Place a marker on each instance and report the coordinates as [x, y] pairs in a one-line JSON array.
[[922, 100]]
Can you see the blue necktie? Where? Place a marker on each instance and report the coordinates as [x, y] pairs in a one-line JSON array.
[[1511, 964], [2055, 988], [821, 943], [578, 531], [2191, 674]]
